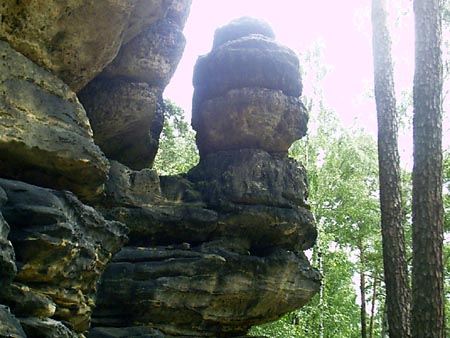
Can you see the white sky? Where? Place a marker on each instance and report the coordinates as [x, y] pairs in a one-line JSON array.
[[343, 26]]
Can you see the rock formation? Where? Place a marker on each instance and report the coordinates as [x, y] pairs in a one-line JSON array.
[[93, 243], [220, 249]]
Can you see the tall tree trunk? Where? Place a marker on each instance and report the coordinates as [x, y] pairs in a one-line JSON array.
[[427, 205], [318, 247], [362, 286], [374, 301], [394, 255]]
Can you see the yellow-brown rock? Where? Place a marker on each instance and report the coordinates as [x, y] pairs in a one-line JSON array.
[[45, 135], [75, 40]]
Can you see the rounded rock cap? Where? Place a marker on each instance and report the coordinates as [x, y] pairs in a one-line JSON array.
[[242, 27]]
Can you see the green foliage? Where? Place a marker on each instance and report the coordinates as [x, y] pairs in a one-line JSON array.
[[177, 151], [342, 169]]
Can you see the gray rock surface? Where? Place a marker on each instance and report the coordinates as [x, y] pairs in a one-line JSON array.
[[256, 118], [76, 39], [8, 267], [127, 118], [251, 61], [260, 197], [241, 27], [151, 57], [9, 324], [210, 290], [45, 136], [62, 247], [46, 327]]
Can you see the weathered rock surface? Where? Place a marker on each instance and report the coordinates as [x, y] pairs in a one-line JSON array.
[[251, 61], [210, 253], [249, 118], [62, 247], [240, 28], [127, 332], [126, 117], [46, 327], [75, 39], [150, 57], [153, 216], [204, 291], [45, 136], [8, 267], [9, 324], [260, 197], [124, 103]]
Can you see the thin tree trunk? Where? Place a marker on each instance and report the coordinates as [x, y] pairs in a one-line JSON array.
[[385, 324], [362, 286], [394, 253], [427, 205], [374, 301], [322, 287]]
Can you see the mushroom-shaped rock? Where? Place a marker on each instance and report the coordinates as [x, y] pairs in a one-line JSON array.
[[246, 92]]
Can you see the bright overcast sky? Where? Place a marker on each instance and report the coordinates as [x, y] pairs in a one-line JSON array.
[[344, 28]]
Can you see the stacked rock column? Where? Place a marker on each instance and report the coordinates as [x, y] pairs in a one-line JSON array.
[[247, 112]]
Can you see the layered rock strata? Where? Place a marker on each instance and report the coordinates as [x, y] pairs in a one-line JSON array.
[[221, 248], [124, 103], [61, 249], [53, 248], [209, 253], [45, 135]]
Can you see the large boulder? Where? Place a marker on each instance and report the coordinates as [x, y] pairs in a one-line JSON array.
[[75, 39], [126, 117], [45, 136], [62, 247], [208, 291], [251, 61], [256, 118], [9, 324]]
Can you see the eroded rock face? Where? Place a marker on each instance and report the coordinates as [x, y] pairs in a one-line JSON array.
[[61, 247], [150, 57], [204, 291], [124, 103], [9, 325], [249, 117], [218, 250], [126, 117], [246, 93], [45, 136], [75, 40]]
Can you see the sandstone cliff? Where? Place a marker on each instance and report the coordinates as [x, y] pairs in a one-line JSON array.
[[93, 243]]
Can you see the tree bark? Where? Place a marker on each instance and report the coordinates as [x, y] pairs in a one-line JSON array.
[[427, 205], [372, 310], [362, 286], [394, 253]]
